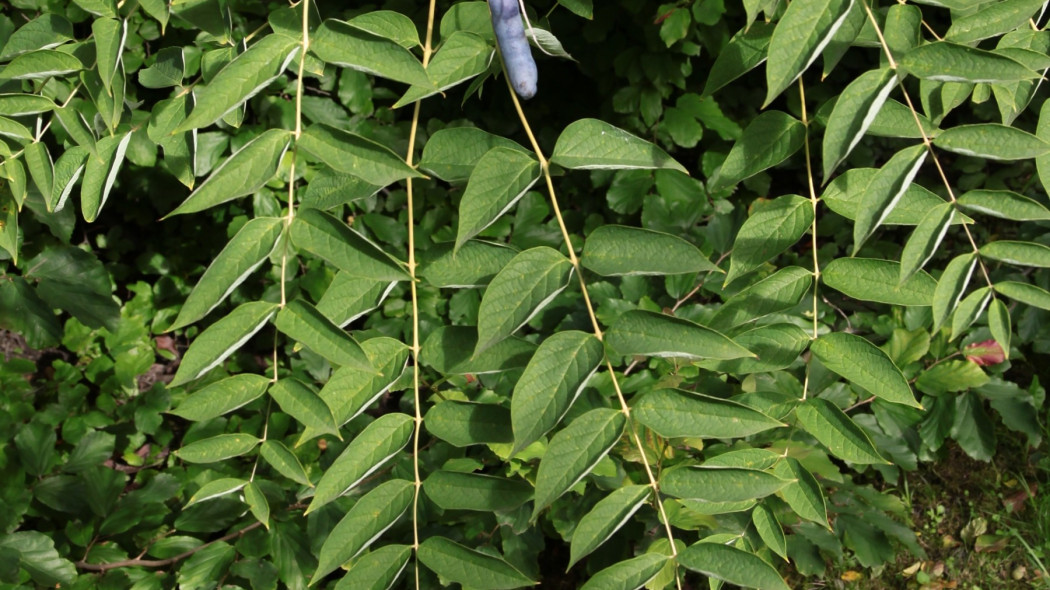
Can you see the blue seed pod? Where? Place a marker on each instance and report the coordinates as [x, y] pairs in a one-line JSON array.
[[517, 56]]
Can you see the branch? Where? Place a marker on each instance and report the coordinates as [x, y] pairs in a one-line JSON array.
[[137, 562]]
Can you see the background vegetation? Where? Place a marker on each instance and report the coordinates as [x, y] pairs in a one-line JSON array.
[[304, 295]]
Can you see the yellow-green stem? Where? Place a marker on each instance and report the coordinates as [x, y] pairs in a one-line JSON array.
[[416, 397], [929, 145], [814, 201], [545, 169]]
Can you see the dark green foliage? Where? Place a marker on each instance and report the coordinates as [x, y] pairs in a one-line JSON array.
[[336, 310]]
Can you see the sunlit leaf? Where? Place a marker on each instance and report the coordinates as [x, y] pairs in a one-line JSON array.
[[573, 452]]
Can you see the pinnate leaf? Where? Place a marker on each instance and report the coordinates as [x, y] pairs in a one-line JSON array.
[[590, 144], [553, 379], [865, 365], [574, 451], [463, 565]]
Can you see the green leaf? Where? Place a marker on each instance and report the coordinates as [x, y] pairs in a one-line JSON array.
[[38, 557], [1004, 205], [300, 402], [590, 144], [1024, 293], [582, 8], [744, 52], [723, 562], [885, 190], [461, 57], [836, 431], [36, 447], [524, 287], [365, 522], [452, 490], [869, 279], [374, 446], [100, 173], [325, 236], [9, 231], [951, 376], [719, 484], [630, 574], [248, 249], [47, 31], [14, 130], [972, 428], [608, 516], [377, 570], [209, 563], [41, 65], [217, 448], [778, 292], [452, 153], [109, 35], [22, 311], [776, 346], [1018, 253], [450, 349], [473, 265], [616, 250], [216, 489], [17, 105], [993, 141], [257, 503], [923, 243], [844, 195], [680, 414], [242, 78], [951, 286], [646, 333], [804, 493], [68, 168], [895, 119], [768, 140], [854, 112], [499, 180], [76, 281], [800, 36], [573, 452], [949, 62], [463, 424], [350, 390], [41, 169], [864, 365], [903, 28], [344, 45], [221, 397], [465, 566], [349, 153], [389, 25], [167, 70], [301, 322], [329, 189], [769, 530], [92, 450], [551, 382], [1042, 131], [243, 173], [221, 339], [773, 227], [992, 20], [347, 297], [969, 310], [284, 461]]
